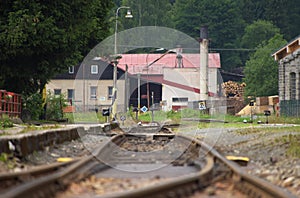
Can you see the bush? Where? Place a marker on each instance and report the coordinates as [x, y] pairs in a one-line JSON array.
[[34, 105], [6, 123], [55, 105]]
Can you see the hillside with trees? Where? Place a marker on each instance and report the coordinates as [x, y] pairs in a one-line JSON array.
[[42, 38]]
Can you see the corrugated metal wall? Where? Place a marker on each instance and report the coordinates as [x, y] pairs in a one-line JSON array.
[[290, 108]]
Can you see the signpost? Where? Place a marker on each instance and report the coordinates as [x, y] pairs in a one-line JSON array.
[[144, 109], [106, 113], [202, 105]]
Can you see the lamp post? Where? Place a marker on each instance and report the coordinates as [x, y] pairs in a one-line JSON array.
[[128, 15], [114, 101]]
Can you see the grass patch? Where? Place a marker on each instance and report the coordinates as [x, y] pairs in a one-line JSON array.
[[30, 128], [266, 129], [294, 148], [177, 117], [6, 122], [293, 142], [86, 117], [8, 160]]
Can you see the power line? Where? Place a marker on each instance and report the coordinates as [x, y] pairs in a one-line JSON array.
[[195, 49]]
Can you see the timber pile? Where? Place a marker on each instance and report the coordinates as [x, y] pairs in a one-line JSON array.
[[233, 89]]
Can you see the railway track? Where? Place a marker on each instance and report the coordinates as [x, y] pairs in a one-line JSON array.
[[159, 165], [9, 180]]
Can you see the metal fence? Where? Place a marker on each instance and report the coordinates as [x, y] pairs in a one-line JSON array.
[[290, 108], [10, 104]]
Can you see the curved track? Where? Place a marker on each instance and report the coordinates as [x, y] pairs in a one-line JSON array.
[[152, 152], [8, 180]]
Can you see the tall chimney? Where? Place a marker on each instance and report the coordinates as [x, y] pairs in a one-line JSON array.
[[203, 63]]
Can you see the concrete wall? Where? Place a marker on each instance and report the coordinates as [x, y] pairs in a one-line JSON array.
[[28, 143], [189, 77]]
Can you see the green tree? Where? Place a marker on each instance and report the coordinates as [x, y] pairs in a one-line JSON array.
[[258, 32], [42, 38], [55, 105], [282, 13], [224, 24], [261, 71], [148, 13]]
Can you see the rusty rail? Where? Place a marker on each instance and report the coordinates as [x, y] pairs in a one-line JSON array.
[[179, 187]]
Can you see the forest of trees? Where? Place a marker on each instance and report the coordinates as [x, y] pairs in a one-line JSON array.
[[42, 38]]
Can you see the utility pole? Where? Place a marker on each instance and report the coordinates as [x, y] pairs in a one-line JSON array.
[[139, 92], [152, 108], [126, 85]]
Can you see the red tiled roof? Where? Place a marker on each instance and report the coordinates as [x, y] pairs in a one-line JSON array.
[[137, 63]]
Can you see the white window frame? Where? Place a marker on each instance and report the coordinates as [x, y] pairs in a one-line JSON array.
[[92, 95], [94, 69], [71, 70]]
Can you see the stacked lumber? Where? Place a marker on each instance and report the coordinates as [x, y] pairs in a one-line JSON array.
[[233, 89]]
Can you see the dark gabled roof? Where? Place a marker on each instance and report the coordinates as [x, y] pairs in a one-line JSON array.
[[105, 71]]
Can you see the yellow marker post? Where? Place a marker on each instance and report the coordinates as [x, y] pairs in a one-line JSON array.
[[64, 159], [243, 161]]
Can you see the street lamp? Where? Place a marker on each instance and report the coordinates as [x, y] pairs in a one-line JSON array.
[[128, 15], [114, 101]]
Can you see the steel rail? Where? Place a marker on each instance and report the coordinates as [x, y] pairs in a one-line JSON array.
[[180, 187], [11, 179], [49, 185], [249, 184]]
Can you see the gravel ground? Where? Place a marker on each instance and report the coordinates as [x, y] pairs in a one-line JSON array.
[[268, 158], [266, 150]]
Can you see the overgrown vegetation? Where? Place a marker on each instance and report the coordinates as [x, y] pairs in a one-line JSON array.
[[293, 142], [5, 122], [294, 148], [29, 128], [54, 106], [7, 160], [87, 117], [178, 116], [33, 106]]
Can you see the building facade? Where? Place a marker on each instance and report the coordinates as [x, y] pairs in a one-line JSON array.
[[173, 79], [170, 83], [288, 58], [89, 86]]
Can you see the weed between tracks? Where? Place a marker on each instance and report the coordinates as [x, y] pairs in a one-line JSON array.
[[293, 142]]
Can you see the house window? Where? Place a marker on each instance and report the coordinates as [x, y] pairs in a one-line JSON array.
[[94, 69], [57, 91], [70, 94], [180, 99], [71, 70], [293, 86], [93, 92], [110, 92]]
